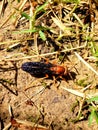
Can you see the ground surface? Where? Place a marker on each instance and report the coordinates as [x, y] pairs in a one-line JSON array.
[[40, 100]]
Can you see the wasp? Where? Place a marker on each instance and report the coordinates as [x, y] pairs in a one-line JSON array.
[[42, 69]]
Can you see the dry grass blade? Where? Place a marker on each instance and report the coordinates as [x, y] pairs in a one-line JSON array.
[[80, 22], [77, 93], [2, 8], [31, 15], [20, 6], [80, 94], [84, 62], [61, 26]]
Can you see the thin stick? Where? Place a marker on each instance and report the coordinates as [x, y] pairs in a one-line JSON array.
[[41, 55], [7, 127], [15, 41]]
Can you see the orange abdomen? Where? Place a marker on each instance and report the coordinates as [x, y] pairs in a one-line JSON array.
[[59, 70]]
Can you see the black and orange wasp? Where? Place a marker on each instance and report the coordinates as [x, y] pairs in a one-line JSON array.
[[42, 69]]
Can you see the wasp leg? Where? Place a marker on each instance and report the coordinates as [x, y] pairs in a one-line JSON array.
[[56, 83], [46, 75]]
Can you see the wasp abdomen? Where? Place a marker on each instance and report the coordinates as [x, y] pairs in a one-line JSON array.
[[37, 69]]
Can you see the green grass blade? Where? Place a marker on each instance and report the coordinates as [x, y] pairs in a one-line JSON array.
[[91, 117], [42, 35], [18, 1], [71, 1], [96, 116], [93, 99], [43, 28], [23, 14], [41, 7]]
